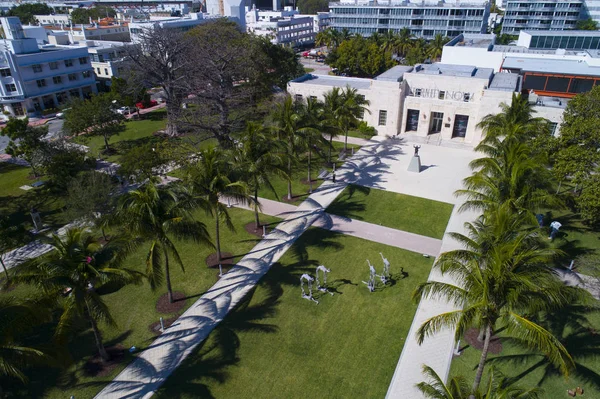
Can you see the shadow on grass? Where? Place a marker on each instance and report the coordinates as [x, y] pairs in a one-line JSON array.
[[572, 327]]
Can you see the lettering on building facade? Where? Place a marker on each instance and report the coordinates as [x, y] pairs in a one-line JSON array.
[[441, 94]]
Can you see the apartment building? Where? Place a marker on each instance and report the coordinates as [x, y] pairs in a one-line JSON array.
[[541, 15], [285, 27], [34, 78], [425, 18]]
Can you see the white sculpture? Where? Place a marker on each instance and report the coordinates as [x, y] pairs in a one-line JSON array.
[[385, 276], [371, 283], [309, 280], [324, 270]]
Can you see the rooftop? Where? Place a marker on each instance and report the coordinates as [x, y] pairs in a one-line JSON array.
[[454, 70], [394, 74], [505, 82], [412, 4], [578, 33], [566, 67], [334, 81], [479, 40]]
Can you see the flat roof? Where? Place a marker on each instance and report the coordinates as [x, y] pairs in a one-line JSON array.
[[410, 4], [478, 40], [526, 50], [564, 67], [577, 33], [505, 82], [334, 81], [394, 74], [467, 71]]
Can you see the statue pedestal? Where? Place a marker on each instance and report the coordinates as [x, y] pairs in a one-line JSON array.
[[415, 164]]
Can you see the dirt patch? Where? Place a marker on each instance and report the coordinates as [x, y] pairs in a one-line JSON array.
[[495, 343], [226, 259], [251, 229], [164, 306], [155, 327], [95, 367]]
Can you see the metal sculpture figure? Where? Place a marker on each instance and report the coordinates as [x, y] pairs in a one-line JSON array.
[[371, 283], [324, 270], [309, 280], [385, 276]]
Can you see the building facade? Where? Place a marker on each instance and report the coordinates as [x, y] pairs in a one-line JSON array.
[[541, 15], [34, 78], [183, 23], [424, 18], [285, 27]]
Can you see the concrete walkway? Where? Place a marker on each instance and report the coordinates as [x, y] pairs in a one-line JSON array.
[[152, 367], [356, 228]]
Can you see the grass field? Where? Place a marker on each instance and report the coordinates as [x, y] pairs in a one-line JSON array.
[[278, 344], [399, 211], [133, 308], [14, 176]]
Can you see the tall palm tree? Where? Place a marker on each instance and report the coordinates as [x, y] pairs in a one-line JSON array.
[[78, 264], [158, 214], [376, 38], [389, 41], [209, 178], [287, 117], [17, 316], [333, 101], [349, 111], [498, 387], [435, 47], [502, 277], [257, 158], [404, 41], [311, 134]]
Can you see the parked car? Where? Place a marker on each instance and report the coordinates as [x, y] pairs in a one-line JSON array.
[[61, 114], [151, 103], [125, 110]]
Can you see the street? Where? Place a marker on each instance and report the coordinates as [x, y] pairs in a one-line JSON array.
[[319, 67], [54, 130]]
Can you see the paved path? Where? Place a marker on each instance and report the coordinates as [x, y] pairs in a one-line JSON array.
[[356, 228], [152, 367]]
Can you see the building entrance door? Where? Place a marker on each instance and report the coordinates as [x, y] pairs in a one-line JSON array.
[[460, 126], [435, 126]]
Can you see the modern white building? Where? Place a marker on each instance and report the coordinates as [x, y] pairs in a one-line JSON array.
[[35, 78], [424, 18], [234, 9], [434, 103], [541, 15], [285, 27], [181, 23], [56, 19]]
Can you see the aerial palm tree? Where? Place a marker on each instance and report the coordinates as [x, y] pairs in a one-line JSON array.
[[158, 214], [434, 47], [503, 276], [404, 41], [389, 41], [257, 158], [333, 101], [376, 38], [77, 265], [349, 111], [209, 178], [287, 117], [17, 316], [345, 34], [311, 134], [498, 387]]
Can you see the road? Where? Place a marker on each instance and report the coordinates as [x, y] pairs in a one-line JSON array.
[[54, 129], [319, 67]]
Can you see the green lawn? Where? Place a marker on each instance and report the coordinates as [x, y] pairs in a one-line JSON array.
[[530, 368], [133, 308], [12, 177], [357, 134], [278, 345], [399, 211]]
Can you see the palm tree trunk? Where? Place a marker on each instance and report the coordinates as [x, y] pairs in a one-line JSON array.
[[289, 182], [558, 188], [217, 239], [484, 353], [346, 140], [103, 234], [168, 278], [98, 337], [310, 188], [256, 219], [5, 270], [106, 142], [330, 145]]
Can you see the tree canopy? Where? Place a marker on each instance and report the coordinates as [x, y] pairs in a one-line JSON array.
[[83, 15], [313, 6], [26, 12], [586, 24]]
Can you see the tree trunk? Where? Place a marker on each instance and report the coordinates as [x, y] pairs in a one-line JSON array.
[[346, 140], [329, 151], [484, 353], [172, 110], [5, 270], [558, 188], [103, 233], [98, 337], [289, 182], [310, 187], [168, 278], [481, 335], [256, 219], [106, 142], [217, 239]]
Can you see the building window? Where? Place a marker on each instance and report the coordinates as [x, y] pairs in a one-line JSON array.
[[41, 82], [86, 74], [467, 97], [68, 63], [553, 128], [57, 80], [106, 71], [441, 94], [314, 98], [53, 65], [412, 120], [461, 122], [382, 117], [5, 72], [10, 87], [37, 68], [436, 122], [72, 77], [298, 97], [98, 71], [83, 60], [74, 93]]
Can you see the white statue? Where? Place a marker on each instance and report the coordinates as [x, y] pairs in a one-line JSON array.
[[371, 283], [309, 280], [324, 270], [385, 276]]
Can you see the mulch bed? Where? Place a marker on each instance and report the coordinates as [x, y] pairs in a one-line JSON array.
[[155, 327], [226, 259], [164, 306], [94, 367], [250, 228], [495, 343]]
